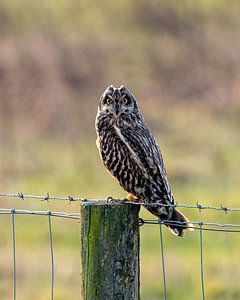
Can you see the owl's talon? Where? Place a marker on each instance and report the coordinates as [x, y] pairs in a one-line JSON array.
[[131, 198], [112, 200]]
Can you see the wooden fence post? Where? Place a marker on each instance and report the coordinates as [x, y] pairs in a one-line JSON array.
[[109, 251]]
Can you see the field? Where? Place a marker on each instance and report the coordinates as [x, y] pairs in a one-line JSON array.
[[182, 63]]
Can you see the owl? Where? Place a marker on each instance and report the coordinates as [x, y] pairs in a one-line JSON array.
[[130, 153]]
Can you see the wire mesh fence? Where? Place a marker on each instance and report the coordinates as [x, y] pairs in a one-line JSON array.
[[200, 226], [49, 215]]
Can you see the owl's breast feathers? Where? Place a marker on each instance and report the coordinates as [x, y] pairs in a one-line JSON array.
[[130, 153]]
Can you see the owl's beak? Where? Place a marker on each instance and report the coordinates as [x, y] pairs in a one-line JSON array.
[[117, 110]]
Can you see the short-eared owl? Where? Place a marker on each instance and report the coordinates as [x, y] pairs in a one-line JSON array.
[[131, 154]]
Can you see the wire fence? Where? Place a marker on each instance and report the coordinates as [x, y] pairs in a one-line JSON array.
[[201, 226], [49, 215], [47, 198]]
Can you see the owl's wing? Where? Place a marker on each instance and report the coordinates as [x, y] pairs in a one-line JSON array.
[[146, 151]]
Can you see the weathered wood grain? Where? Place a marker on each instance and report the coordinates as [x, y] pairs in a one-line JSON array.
[[109, 252]]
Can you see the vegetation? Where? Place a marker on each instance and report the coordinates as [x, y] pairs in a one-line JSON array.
[[181, 60]]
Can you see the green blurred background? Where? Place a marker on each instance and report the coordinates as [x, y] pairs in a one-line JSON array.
[[181, 60]]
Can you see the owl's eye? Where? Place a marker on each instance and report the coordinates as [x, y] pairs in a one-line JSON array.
[[125, 101], [108, 101]]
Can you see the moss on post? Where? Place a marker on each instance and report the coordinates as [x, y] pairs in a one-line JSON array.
[[109, 251]]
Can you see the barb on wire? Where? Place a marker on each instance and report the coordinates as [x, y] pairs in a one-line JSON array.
[[46, 197], [111, 200]]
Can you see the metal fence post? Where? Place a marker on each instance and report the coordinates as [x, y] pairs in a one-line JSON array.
[[109, 251]]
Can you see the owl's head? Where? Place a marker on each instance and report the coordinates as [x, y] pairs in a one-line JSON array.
[[117, 101]]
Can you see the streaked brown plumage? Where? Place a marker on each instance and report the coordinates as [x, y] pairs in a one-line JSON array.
[[131, 154]]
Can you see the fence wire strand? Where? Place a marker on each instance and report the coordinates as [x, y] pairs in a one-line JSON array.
[[47, 197], [207, 226], [5, 211], [14, 255], [163, 264], [52, 255], [223, 227], [201, 259]]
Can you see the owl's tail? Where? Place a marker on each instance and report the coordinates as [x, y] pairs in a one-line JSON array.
[[177, 223], [175, 226]]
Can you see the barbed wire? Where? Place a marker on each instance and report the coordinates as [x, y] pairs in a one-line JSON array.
[[111, 200]]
